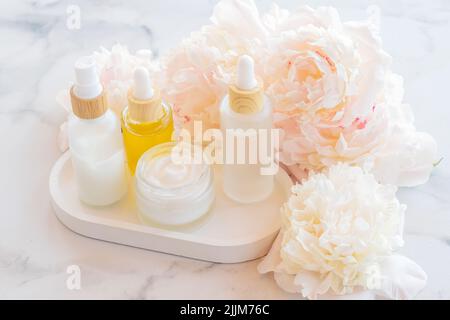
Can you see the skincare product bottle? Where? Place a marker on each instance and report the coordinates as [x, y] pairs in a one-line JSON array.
[[146, 121], [95, 141], [172, 193], [243, 112]]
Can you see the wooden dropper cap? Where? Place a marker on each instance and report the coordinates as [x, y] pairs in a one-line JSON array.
[[144, 102], [246, 96], [87, 95]]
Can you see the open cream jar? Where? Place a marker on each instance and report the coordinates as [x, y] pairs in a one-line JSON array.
[[172, 192]]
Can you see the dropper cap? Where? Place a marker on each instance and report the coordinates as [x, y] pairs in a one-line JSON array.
[[143, 89], [144, 102], [87, 96], [246, 95], [246, 79]]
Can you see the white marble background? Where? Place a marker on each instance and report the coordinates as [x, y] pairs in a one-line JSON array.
[[36, 54]]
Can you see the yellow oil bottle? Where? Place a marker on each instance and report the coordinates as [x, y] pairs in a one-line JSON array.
[[146, 121]]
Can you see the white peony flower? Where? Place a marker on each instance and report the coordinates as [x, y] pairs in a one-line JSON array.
[[338, 229]]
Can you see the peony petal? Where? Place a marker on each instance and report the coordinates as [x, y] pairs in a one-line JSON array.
[[359, 295], [407, 160], [286, 282], [63, 99], [270, 262], [62, 140], [402, 278], [240, 17]]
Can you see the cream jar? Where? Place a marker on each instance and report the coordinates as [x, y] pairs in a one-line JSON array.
[[172, 192]]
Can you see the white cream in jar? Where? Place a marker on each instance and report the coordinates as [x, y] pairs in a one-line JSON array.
[[171, 192]]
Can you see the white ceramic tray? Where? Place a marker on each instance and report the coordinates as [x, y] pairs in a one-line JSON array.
[[230, 233]]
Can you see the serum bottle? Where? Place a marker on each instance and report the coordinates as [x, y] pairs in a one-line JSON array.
[[244, 111], [95, 141], [146, 121]]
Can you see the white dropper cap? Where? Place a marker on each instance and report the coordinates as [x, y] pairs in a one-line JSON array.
[[143, 89], [87, 82], [246, 79]]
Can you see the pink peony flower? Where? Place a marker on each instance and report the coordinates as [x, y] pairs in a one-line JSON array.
[[195, 83], [328, 82], [197, 72]]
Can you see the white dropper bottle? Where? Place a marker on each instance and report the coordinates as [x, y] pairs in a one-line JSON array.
[[246, 115], [95, 140]]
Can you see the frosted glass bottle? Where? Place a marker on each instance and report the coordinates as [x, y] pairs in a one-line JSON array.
[[95, 140], [246, 107]]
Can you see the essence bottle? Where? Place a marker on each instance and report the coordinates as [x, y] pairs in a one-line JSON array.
[[146, 121], [246, 113], [95, 140]]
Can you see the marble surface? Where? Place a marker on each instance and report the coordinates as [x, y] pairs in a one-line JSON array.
[[36, 53]]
